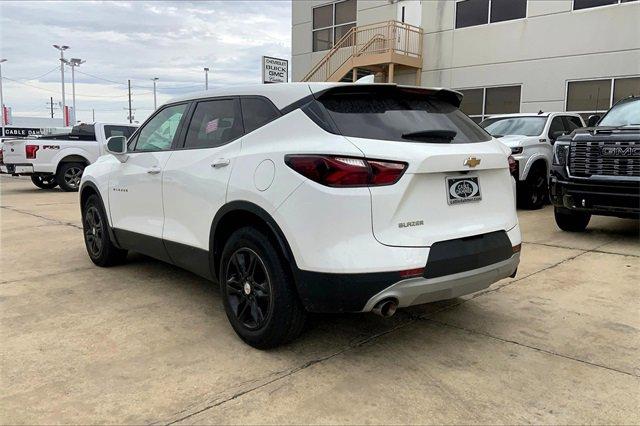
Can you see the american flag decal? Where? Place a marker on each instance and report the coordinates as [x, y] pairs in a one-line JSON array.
[[212, 126]]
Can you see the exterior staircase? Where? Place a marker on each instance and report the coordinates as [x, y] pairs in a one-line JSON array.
[[382, 47]]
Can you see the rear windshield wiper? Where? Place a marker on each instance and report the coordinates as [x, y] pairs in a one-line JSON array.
[[438, 135]]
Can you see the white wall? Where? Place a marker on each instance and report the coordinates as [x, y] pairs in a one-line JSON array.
[[542, 52]]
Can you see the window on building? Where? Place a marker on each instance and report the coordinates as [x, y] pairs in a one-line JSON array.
[[624, 87], [331, 22], [588, 97], [586, 4], [480, 103], [214, 123], [478, 12]]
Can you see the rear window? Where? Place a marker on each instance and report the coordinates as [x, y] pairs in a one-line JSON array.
[[523, 126], [395, 115]]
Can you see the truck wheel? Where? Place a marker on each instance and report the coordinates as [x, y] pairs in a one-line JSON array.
[[69, 175], [95, 227], [571, 220], [44, 181], [258, 292], [532, 193]]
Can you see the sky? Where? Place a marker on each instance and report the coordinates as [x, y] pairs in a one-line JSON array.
[[135, 40]]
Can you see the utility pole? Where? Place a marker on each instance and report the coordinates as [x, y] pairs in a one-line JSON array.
[[155, 105], [2, 99], [62, 49], [73, 63], [206, 78], [130, 116], [51, 106]]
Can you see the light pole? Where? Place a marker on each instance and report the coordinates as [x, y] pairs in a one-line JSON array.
[[62, 49], [73, 63], [154, 79], [206, 78], [1, 98]]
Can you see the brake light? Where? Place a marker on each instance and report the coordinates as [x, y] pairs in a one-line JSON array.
[[513, 165], [31, 150], [336, 171]]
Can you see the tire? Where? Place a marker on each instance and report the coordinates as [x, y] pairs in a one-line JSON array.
[[44, 181], [95, 228], [571, 220], [258, 291], [533, 192], [68, 176]]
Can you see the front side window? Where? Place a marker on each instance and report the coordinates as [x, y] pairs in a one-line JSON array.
[[159, 132], [214, 123], [571, 123], [396, 115], [331, 22], [257, 112], [556, 128], [524, 126], [625, 113]]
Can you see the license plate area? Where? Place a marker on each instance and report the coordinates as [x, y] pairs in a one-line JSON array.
[[462, 189]]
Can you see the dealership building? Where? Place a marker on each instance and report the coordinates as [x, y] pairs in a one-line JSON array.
[[504, 55]]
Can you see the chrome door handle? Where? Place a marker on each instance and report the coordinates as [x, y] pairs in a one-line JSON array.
[[153, 170], [220, 162]]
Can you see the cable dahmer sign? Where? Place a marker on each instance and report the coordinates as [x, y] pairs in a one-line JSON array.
[[274, 70]]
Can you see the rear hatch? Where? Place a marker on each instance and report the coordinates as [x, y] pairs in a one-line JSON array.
[[457, 181]]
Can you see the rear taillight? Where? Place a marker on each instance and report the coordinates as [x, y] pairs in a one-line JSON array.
[[513, 165], [336, 171], [31, 150]]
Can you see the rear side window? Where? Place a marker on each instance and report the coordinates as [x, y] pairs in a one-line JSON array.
[[125, 131], [395, 115], [256, 112], [214, 123]]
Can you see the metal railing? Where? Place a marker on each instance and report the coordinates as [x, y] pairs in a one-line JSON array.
[[379, 38]]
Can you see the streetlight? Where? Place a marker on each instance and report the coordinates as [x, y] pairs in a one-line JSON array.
[[73, 63], [206, 78], [1, 99], [62, 49], [154, 79]]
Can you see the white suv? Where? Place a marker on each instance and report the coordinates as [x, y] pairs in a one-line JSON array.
[[310, 197], [530, 137]]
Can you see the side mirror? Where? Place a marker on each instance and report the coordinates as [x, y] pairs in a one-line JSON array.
[[592, 121], [117, 146], [555, 135]]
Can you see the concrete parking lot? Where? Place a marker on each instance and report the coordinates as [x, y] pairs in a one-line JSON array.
[[149, 343]]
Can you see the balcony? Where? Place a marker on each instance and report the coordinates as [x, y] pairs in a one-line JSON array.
[[382, 48]]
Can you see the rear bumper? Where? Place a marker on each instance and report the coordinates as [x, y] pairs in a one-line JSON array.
[[17, 169], [607, 198], [453, 268]]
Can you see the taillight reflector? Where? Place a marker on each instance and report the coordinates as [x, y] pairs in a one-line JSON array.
[[30, 151], [517, 248], [410, 273], [336, 171]]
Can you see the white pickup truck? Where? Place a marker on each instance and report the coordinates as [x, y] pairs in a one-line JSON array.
[[530, 137], [59, 159]]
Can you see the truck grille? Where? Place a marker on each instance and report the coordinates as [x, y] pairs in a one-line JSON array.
[[604, 158]]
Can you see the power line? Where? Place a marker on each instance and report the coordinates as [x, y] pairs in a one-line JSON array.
[[45, 74], [86, 96]]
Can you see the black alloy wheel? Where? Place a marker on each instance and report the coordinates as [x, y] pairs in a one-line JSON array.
[[248, 289], [93, 231]]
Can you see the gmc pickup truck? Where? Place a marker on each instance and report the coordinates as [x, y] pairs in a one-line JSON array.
[[59, 159], [596, 170]]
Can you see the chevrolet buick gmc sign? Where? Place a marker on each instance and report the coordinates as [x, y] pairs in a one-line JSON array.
[[274, 70], [22, 132]]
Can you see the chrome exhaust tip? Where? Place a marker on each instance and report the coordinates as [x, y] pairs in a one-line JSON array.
[[385, 308]]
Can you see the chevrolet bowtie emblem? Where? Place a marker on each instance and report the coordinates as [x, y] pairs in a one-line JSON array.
[[471, 162]]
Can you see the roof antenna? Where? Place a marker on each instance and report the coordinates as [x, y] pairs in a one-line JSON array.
[[540, 112]]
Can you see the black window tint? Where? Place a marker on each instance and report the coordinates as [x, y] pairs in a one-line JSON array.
[[257, 112], [556, 126], [158, 133], [391, 114], [584, 4], [125, 131], [214, 123], [571, 123], [505, 10], [472, 12]]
